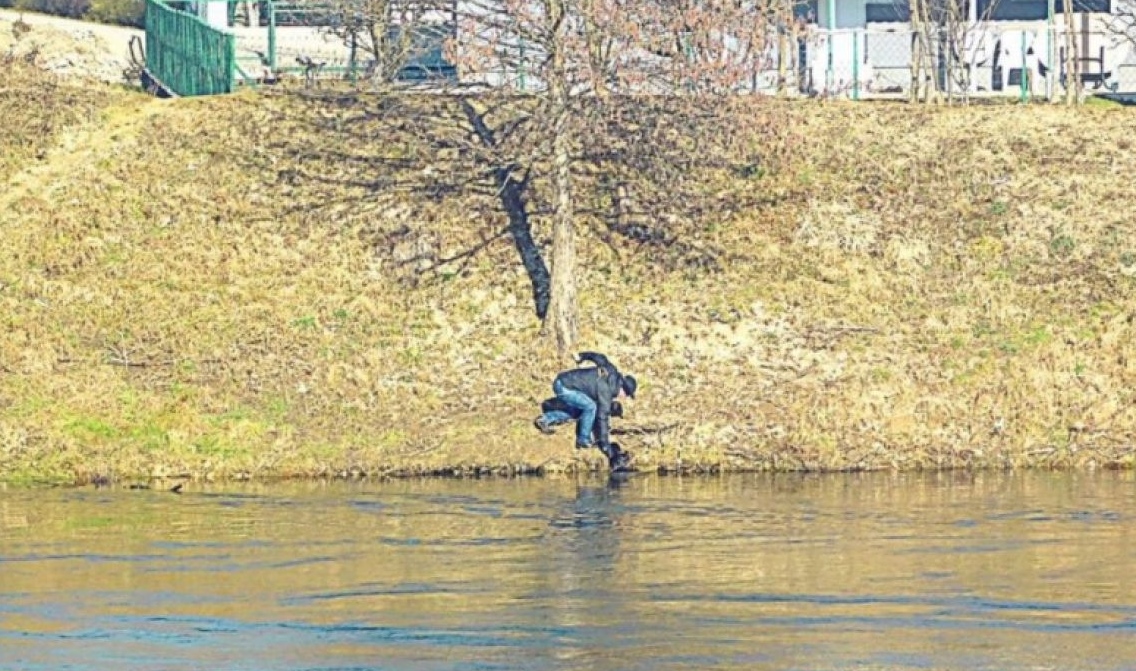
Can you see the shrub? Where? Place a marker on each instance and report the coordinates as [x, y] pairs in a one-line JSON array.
[[121, 12], [70, 8]]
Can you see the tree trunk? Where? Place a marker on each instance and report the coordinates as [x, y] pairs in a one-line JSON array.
[[783, 19], [595, 45], [1072, 76], [918, 49], [562, 309], [378, 36], [926, 33], [916, 62], [783, 57]]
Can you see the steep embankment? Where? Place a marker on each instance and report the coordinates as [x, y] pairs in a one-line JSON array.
[[213, 287]]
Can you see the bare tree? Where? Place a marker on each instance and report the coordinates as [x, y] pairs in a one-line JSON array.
[[945, 40], [924, 84], [962, 41], [713, 46], [539, 81], [563, 53], [795, 15], [513, 44]]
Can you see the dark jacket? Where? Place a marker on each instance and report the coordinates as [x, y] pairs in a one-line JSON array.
[[602, 385]]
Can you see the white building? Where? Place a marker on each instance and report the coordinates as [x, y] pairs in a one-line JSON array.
[[984, 50]]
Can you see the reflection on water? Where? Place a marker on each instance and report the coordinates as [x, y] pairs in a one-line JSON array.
[[943, 571]]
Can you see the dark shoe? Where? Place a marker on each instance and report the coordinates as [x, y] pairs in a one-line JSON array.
[[543, 426], [617, 459], [620, 464], [583, 446]]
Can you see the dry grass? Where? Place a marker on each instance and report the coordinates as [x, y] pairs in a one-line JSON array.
[[36, 106], [213, 288]]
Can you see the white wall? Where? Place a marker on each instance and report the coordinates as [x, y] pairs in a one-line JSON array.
[[214, 13], [849, 13]]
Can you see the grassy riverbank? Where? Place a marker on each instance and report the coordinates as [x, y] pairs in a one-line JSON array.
[[212, 288]]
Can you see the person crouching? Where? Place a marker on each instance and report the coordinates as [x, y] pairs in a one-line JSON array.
[[592, 392]]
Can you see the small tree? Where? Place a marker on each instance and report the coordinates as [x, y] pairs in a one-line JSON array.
[[1072, 65], [924, 86], [945, 37], [711, 46], [562, 53], [536, 80], [519, 46], [641, 95], [962, 37]]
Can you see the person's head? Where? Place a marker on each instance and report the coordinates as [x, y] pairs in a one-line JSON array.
[[628, 385]]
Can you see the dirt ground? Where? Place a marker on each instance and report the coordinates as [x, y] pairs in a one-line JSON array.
[[69, 47]]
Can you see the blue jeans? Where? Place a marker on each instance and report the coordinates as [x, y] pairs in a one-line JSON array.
[[579, 401]]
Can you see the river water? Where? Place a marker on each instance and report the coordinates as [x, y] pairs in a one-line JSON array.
[[873, 571]]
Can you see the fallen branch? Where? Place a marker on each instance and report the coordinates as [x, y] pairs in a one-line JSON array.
[[839, 330], [126, 363]]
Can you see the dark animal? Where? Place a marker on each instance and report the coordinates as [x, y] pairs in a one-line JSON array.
[[312, 69]]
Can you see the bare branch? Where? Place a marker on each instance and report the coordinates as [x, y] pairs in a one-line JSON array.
[[1122, 23]]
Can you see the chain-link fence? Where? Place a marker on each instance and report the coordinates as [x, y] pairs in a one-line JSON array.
[[270, 39], [275, 38], [973, 61], [319, 39]]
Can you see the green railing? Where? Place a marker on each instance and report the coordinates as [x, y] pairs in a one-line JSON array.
[[186, 54]]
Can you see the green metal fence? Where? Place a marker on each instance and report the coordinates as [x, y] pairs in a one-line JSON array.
[[186, 54]]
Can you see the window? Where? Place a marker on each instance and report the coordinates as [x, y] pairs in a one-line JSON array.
[[806, 10], [899, 11], [888, 12], [1095, 6], [1035, 10]]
